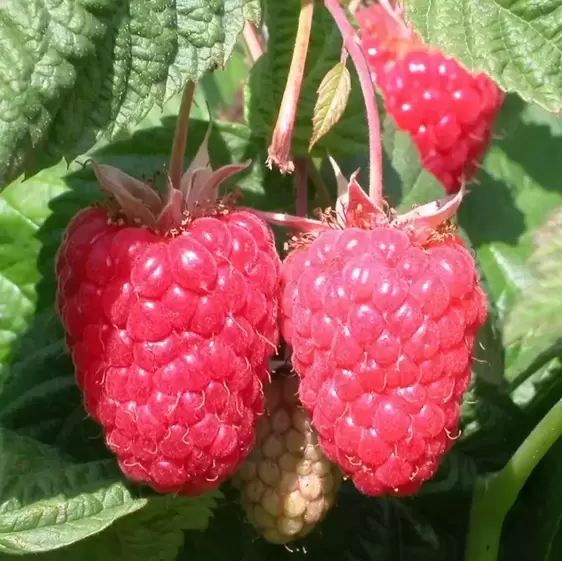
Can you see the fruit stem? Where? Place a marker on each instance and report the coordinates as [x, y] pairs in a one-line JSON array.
[[180, 135], [254, 46], [280, 147], [495, 494], [301, 184], [350, 41], [253, 41]]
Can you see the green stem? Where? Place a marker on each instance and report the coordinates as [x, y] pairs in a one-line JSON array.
[[495, 494]]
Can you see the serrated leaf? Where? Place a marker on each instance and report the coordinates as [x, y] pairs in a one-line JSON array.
[[518, 43], [267, 79], [538, 313], [514, 193], [77, 70], [333, 95], [155, 532], [47, 503]]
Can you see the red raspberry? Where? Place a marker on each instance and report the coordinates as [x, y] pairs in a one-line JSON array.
[[448, 111], [171, 329], [382, 314]]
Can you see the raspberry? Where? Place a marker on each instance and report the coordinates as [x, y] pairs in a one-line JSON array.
[[448, 111], [170, 328], [287, 484], [382, 317]]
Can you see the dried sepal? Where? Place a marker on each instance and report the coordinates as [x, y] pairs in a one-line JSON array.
[[355, 209], [188, 194], [172, 216], [423, 221], [137, 201]]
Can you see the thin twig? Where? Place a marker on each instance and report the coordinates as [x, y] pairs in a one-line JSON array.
[[180, 135], [280, 147], [350, 41], [253, 41]]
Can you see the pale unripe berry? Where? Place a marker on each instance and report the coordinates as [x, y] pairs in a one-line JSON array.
[[287, 485]]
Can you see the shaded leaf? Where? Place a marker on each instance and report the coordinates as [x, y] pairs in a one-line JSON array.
[[538, 313], [514, 192], [405, 181], [356, 528]]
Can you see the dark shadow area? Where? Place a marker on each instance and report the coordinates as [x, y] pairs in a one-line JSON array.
[[357, 527], [533, 146], [489, 213]]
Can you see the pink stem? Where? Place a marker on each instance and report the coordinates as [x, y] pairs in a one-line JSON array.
[[253, 41], [375, 151], [280, 148]]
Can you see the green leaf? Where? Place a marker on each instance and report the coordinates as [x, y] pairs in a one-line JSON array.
[[538, 313], [333, 95], [265, 85], [48, 503], [516, 190], [153, 533], [78, 70], [518, 43]]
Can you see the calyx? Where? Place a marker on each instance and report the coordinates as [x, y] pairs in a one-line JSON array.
[[189, 194], [354, 209]]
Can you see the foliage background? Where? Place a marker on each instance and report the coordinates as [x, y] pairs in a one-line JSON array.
[[86, 79]]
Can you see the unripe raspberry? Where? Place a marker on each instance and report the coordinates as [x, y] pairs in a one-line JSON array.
[[287, 484]]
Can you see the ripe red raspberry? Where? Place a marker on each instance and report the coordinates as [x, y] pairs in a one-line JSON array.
[[382, 314], [448, 111], [171, 325]]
